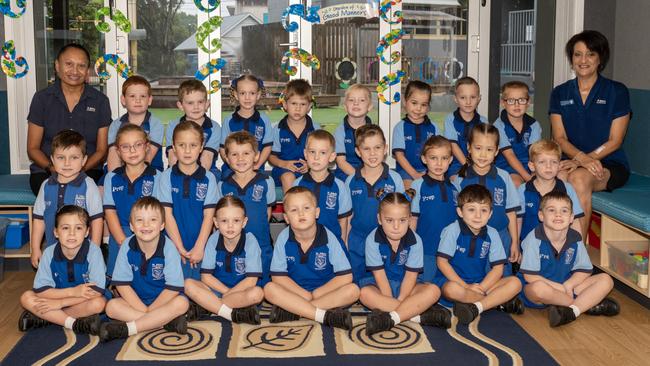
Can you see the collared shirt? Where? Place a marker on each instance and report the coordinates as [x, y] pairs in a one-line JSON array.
[[120, 193], [288, 146], [407, 257], [258, 125], [211, 136], [409, 137], [333, 200], [49, 110], [457, 131], [346, 143], [151, 126], [519, 142], [434, 204], [230, 267]]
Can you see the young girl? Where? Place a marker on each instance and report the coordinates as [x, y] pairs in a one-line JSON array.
[[363, 186], [124, 185], [394, 256], [357, 104], [410, 133], [189, 194], [247, 90], [231, 268], [483, 143]]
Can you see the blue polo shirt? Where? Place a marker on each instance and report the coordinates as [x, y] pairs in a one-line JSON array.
[[148, 277], [120, 193], [231, 267], [57, 271], [333, 200], [530, 199], [49, 110], [539, 257], [258, 125], [588, 125], [457, 131], [81, 191], [346, 144], [324, 259], [434, 204], [409, 137], [519, 142], [188, 196], [288, 146], [407, 257], [151, 126], [211, 136]]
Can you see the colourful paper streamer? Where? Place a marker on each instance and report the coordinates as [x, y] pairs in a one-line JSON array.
[[10, 61], [299, 10], [121, 67], [5, 8], [212, 5], [385, 7], [120, 20], [203, 32], [386, 41], [211, 67], [386, 82], [301, 55]]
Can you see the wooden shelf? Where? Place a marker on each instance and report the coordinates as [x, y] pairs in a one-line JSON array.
[[24, 252]]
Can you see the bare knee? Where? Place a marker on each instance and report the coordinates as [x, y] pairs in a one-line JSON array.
[[351, 292], [255, 295], [538, 290], [190, 287], [112, 307], [513, 283], [581, 180], [605, 279], [453, 290], [180, 304], [433, 290], [27, 299], [270, 291], [366, 294], [97, 305]]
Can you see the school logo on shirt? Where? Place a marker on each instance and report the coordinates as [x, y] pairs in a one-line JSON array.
[[601, 101], [90, 109], [347, 141], [80, 200], [320, 261], [118, 188], [258, 193], [529, 204], [429, 134], [485, 249], [408, 138], [240, 266], [389, 188], [157, 271], [569, 255], [48, 203], [259, 133], [134, 268], [285, 140], [175, 189], [201, 191], [564, 103], [544, 256], [291, 259], [428, 198], [498, 196], [147, 188], [356, 192], [86, 277], [460, 249], [526, 138], [403, 255], [330, 203]]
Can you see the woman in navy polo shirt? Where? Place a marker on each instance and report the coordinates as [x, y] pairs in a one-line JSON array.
[[68, 104], [589, 117]]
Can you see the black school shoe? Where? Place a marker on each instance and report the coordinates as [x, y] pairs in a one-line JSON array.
[[560, 315], [607, 307], [28, 321], [279, 315], [512, 306], [178, 325], [436, 316], [338, 318], [248, 315], [87, 325], [466, 312], [195, 312], [113, 330], [378, 321]]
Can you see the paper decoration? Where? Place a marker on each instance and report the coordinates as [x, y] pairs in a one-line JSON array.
[[299, 10], [386, 41], [212, 5], [203, 32], [386, 82], [385, 7], [212, 67], [10, 61], [121, 67], [301, 55], [120, 20], [5, 8], [345, 72]]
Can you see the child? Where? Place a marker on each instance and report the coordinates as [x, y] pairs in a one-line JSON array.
[[434, 204], [124, 185], [70, 280], [310, 273], [332, 194], [483, 141], [247, 90], [466, 248], [363, 186], [193, 101], [290, 135], [357, 104], [467, 96], [231, 268], [149, 278], [257, 190], [136, 98], [69, 186], [556, 268], [411, 132], [189, 194], [545, 157], [517, 131], [394, 256]]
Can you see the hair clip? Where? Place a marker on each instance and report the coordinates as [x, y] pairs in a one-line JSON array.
[[383, 195], [408, 197]]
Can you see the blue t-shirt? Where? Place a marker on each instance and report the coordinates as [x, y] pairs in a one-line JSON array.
[[457, 131], [230, 267], [434, 204], [258, 125], [120, 193], [333, 200], [407, 257], [286, 145], [211, 136], [151, 126], [346, 143], [519, 142], [409, 137]]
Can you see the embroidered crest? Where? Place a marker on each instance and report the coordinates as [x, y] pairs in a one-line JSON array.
[[485, 249], [157, 271], [389, 188], [201, 191], [240, 266], [259, 133], [330, 203], [320, 261], [526, 138], [86, 277], [80, 200], [258, 193], [403, 255], [569, 255], [498, 196], [147, 188]]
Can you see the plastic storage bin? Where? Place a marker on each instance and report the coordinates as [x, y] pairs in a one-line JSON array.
[[17, 234], [623, 261]]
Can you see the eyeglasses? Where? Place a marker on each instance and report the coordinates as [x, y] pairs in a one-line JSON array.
[[513, 101], [125, 148]]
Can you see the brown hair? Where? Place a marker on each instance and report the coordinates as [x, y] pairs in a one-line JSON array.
[[544, 146], [68, 138], [148, 203], [435, 141], [240, 138], [297, 190], [414, 85], [189, 86], [395, 198], [188, 125], [514, 84], [365, 131], [298, 87], [136, 80], [484, 129], [72, 210], [129, 127], [465, 80], [229, 201], [474, 193], [321, 135], [555, 195], [247, 77]]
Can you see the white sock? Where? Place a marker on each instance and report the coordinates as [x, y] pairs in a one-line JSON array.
[[69, 321], [479, 306], [225, 312], [416, 319], [395, 317], [320, 315], [575, 309], [132, 329]]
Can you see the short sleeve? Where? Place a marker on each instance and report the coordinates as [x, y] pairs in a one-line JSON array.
[[39, 204], [582, 262], [521, 191], [105, 116], [415, 202], [399, 183], [337, 256], [169, 134], [554, 103], [398, 138], [109, 202], [267, 140], [277, 147], [122, 274], [172, 271], [374, 261], [225, 130], [316, 125], [530, 263], [93, 200], [504, 142], [279, 260], [219, 190], [621, 101], [345, 200], [164, 189], [270, 191], [339, 138], [211, 196], [497, 254], [210, 254], [577, 208], [44, 279], [512, 196], [97, 268], [535, 133], [215, 138], [253, 257], [37, 111], [450, 131], [415, 260], [156, 132], [112, 131], [448, 238]]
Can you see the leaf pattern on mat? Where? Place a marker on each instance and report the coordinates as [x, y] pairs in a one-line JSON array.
[[278, 338]]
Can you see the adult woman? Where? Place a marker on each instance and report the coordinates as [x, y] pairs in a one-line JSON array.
[[589, 117], [68, 104]]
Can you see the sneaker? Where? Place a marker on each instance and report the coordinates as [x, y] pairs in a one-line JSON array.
[[378, 321], [178, 325], [338, 318], [113, 330], [607, 307], [29, 321], [560, 315], [436, 316], [87, 325], [248, 315], [195, 312], [512, 306], [279, 315], [466, 312]]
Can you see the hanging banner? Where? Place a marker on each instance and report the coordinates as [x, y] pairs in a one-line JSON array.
[[347, 11]]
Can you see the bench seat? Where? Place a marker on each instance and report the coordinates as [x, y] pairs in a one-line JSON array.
[[629, 204], [15, 190]]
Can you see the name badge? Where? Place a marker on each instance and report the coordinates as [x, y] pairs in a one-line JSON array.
[[566, 102], [90, 109]]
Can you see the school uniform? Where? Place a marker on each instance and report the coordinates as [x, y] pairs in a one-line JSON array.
[[434, 204], [457, 131], [333, 199], [148, 277], [53, 195], [188, 196], [287, 146], [324, 260], [151, 126], [519, 142], [211, 137], [346, 144], [258, 125], [409, 138], [539, 257], [365, 207], [530, 199], [230, 267], [120, 193]]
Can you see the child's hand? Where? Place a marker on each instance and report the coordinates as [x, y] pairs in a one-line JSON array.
[[515, 253], [303, 168], [86, 291], [44, 305], [36, 257], [568, 289], [293, 165], [418, 175], [476, 288], [195, 256]]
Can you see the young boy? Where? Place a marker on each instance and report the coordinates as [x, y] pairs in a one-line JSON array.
[[357, 104], [290, 135], [69, 186], [556, 269], [136, 98], [70, 281], [149, 278], [517, 131], [545, 157], [310, 273], [332, 194], [466, 248], [193, 101]]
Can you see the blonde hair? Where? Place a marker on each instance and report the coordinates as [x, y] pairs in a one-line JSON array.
[[358, 87], [544, 146]]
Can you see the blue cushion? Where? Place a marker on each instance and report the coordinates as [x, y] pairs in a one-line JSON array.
[[15, 190], [629, 204]]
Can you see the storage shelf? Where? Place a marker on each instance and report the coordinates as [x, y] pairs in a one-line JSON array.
[[23, 252]]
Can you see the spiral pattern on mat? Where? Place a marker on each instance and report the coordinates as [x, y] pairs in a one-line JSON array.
[[161, 342], [400, 336]]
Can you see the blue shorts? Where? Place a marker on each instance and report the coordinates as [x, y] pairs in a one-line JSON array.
[[357, 251], [113, 249], [189, 272], [507, 241], [394, 285], [277, 172], [430, 268]]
